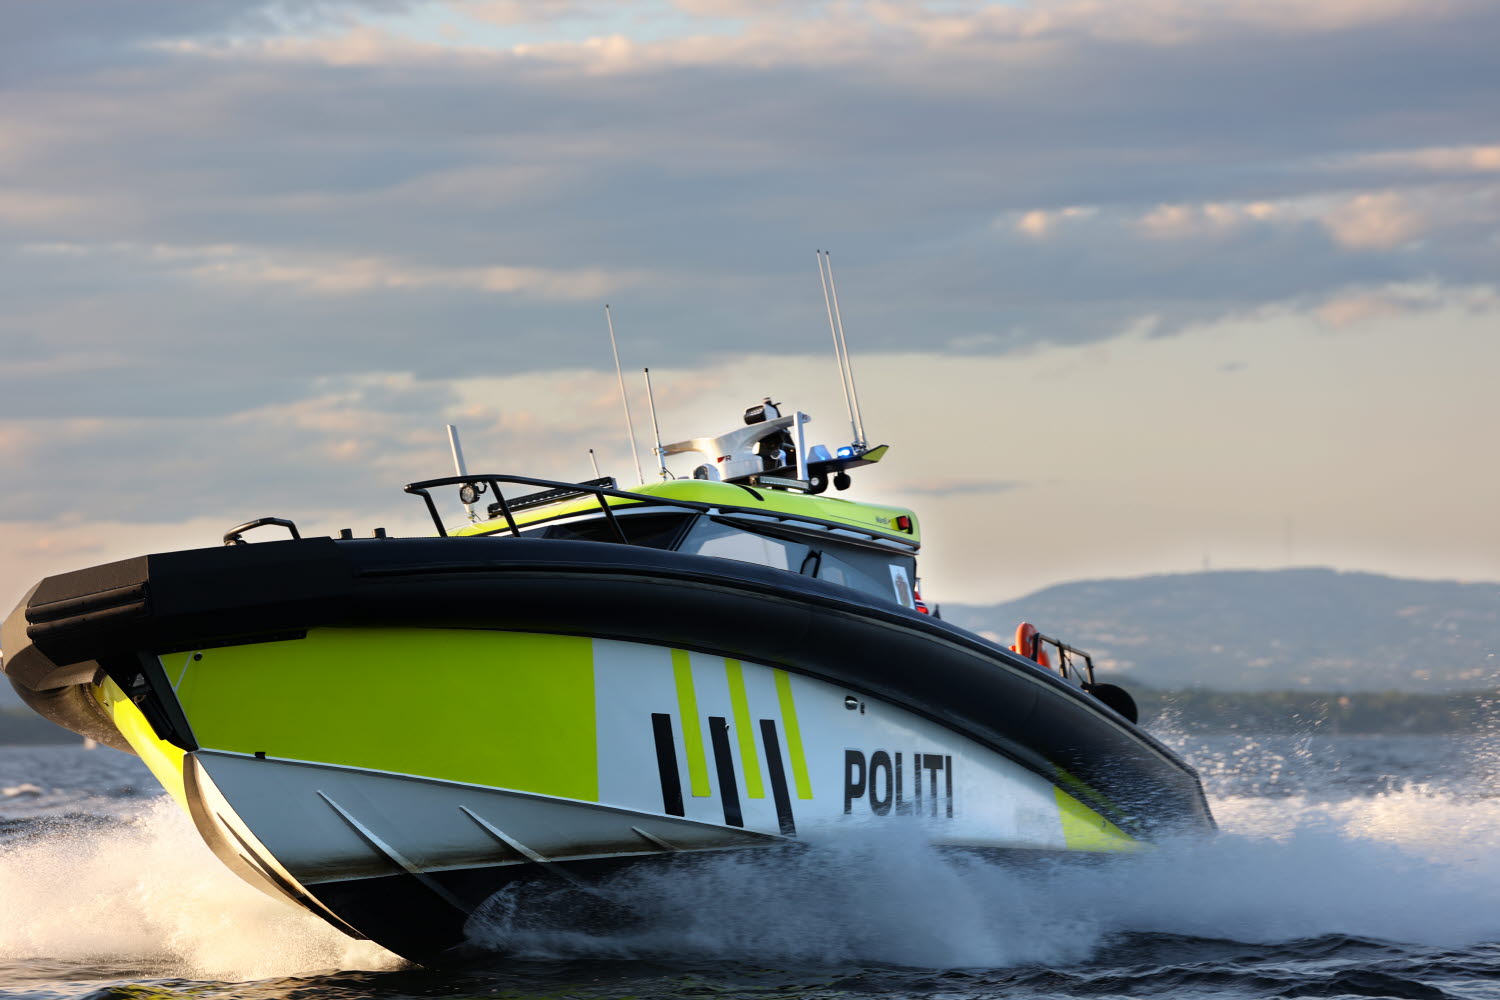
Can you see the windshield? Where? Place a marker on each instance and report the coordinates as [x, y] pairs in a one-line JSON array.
[[710, 538], [657, 531], [869, 569]]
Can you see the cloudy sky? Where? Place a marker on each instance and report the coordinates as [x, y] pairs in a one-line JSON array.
[[1133, 286]]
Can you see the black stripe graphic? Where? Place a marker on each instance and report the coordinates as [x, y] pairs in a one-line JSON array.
[[729, 790], [902, 807], [778, 778], [666, 764], [948, 777], [934, 763]]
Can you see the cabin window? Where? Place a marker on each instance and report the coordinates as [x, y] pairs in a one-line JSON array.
[[710, 538], [884, 575], [657, 531], [869, 569]]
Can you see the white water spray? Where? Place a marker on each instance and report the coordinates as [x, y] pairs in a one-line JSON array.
[[1388, 868], [1409, 865], [148, 893]]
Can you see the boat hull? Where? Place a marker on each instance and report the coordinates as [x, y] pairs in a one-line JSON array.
[[540, 754], [407, 727]]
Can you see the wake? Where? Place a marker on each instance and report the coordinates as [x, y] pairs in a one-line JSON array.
[[1409, 865]]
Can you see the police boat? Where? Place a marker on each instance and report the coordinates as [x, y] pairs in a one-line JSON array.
[[579, 679]]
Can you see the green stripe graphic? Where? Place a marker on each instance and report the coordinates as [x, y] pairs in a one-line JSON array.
[[742, 731], [692, 729], [793, 734]]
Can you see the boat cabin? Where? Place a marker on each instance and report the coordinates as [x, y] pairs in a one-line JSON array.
[[870, 548]]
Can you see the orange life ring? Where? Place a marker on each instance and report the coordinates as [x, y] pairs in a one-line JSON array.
[[1028, 647]]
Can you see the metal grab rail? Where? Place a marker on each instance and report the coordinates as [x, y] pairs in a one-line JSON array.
[[234, 535], [599, 493], [1065, 654]]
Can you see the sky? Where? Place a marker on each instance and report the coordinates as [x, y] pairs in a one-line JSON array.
[[1131, 287]]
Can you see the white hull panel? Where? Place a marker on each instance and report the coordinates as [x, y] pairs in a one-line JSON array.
[[325, 823], [845, 760]]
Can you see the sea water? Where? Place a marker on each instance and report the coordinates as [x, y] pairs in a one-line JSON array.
[[1345, 867]]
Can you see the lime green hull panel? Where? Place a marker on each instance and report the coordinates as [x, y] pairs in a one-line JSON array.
[[512, 710]]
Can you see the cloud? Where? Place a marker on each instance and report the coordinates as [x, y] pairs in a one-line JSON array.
[[1439, 159], [1377, 221], [1354, 306], [349, 194], [1040, 223], [1348, 310], [355, 435], [254, 256], [1358, 220], [511, 12], [356, 275], [1185, 220]]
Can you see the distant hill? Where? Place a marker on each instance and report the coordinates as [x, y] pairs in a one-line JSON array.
[[1309, 629]]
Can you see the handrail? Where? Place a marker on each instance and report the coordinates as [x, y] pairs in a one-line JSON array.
[[234, 535], [493, 481], [1065, 654]]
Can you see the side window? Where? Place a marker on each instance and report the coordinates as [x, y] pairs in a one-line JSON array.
[[709, 538], [887, 576]]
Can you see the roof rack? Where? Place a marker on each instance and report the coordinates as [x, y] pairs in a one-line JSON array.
[[472, 486], [552, 496]]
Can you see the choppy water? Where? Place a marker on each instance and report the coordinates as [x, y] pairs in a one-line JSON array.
[[1347, 867]]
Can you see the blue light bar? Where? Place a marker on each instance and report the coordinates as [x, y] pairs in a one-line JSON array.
[[846, 452]]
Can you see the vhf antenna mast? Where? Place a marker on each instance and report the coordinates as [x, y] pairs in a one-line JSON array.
[[838, 349], [624, 398], [656, 428], [859, 417]]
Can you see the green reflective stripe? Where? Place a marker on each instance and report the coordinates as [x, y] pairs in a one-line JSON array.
[[692, 729], [793, 734], [742, 731]]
